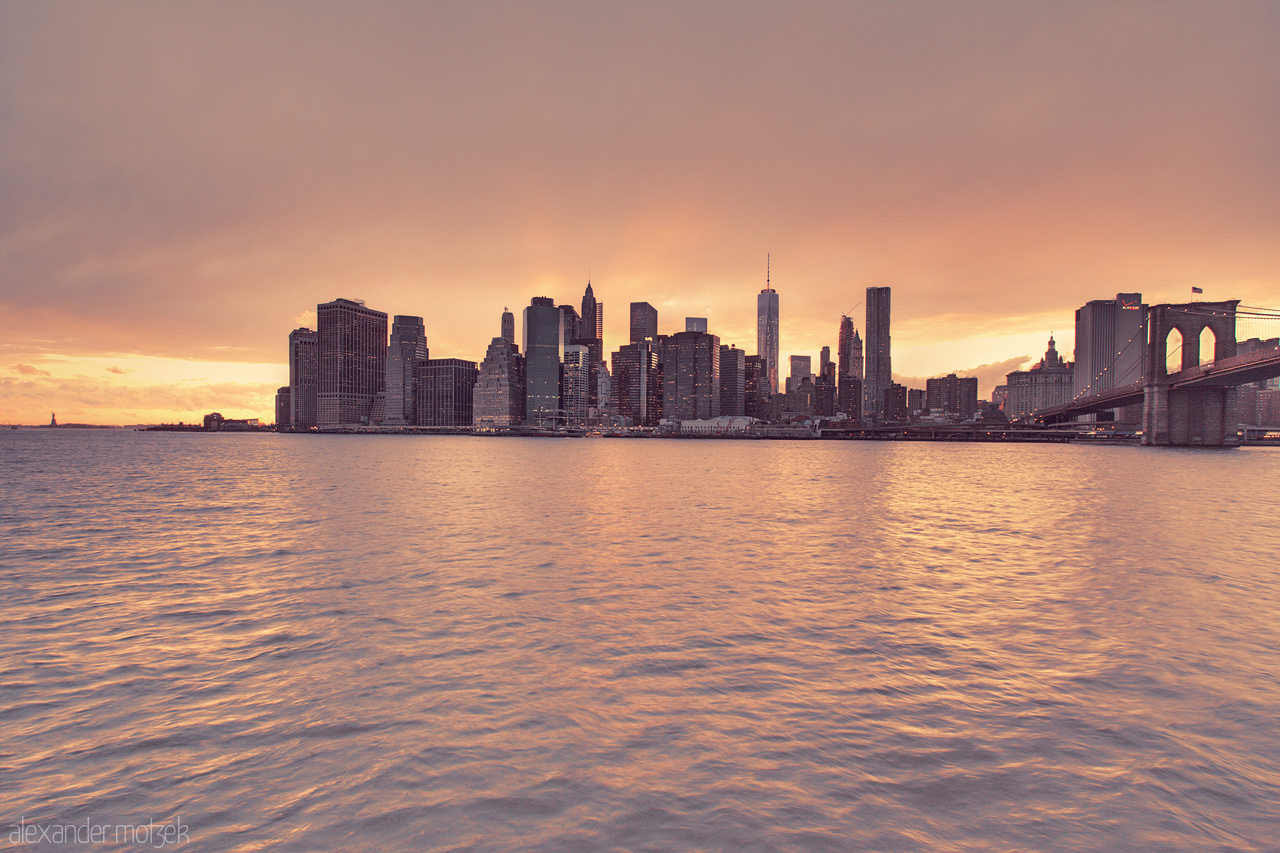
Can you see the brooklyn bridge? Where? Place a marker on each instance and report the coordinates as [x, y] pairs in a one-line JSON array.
[[1190, 372]]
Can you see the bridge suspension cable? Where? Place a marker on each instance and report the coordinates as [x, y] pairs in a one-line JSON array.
[[1088, 389]]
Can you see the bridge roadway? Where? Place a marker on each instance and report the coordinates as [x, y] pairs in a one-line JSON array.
[[1237, 370]]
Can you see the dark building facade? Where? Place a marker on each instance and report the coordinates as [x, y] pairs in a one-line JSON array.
[[895, 402], [849, 396], [691, 376], [644, 321], [445, 392], [543, 351], [304, 378], [352, 343], [753, 393], [637, 384], [408, 346], [1110, 342], [952, 395], [282, 407], [733, 379], [498, 400], [879, 368]]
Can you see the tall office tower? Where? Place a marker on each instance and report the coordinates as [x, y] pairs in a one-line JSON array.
[[446, 392], [590, 315], [801, 366], [574, 381], [952, 395], [844, 347], [283, 413], [509, 326], [304, 378], [691, 376], [637, 390], [588, 335], [695, 324], [572, 324], [767, 331], [497, 402], [879, 374], [352, 341], [1047, 384], [825, 367], [753, 393], [543, 348], [733, 381], [644, 321], [600, 321], [1110, 341], [408, 347]]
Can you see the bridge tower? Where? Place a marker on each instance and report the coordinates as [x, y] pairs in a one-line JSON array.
[[1181, 417]]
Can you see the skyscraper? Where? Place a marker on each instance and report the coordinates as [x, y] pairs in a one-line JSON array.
[[844, 346], [644, 321], [752, 386], [801, 367], [589, 336], [572, 323], [352, 343], [733, 378], [509, 326], [445, 392], [691, 376], [767, 330], [283, 410], [590, 319], [573, 391], [543, 348], [1110, 341], [695, 324], [408, 347], [637, 389], [879, 372], [498, 400], [304, 376]]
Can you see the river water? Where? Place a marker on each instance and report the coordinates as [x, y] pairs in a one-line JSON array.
[[454, 643]]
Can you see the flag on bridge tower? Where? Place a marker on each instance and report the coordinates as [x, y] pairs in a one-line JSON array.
[[1197, 290]]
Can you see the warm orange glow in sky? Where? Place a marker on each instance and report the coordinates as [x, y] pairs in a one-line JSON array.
[[181, 183]]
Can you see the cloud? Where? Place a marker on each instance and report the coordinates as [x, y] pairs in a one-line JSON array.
[[989, 375], [116, 370], [28, 370], [185, 177]]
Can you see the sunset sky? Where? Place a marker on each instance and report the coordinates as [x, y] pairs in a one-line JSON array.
[[181, 183]]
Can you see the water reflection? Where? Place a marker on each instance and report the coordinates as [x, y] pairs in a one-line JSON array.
[[373, 642]]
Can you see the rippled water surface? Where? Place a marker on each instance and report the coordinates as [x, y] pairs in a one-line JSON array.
[[418, 643]]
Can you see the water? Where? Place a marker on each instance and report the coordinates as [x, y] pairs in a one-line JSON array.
[[415, 643]]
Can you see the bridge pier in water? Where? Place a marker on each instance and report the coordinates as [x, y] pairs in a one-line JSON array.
[[1198, 416], [1190, 417]]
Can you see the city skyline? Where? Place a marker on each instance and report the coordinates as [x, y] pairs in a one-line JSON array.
[[182, 182]]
